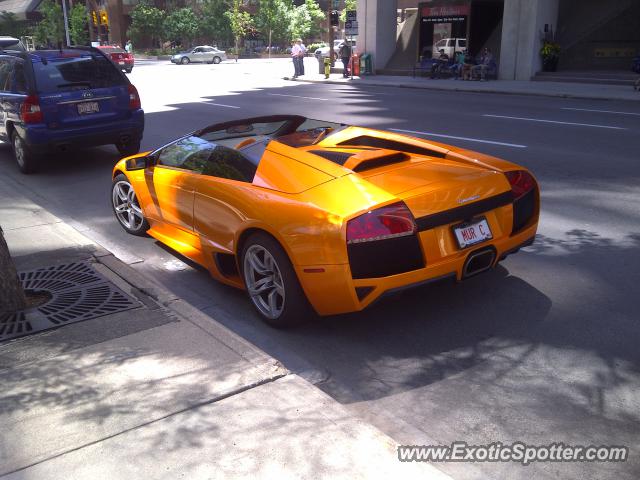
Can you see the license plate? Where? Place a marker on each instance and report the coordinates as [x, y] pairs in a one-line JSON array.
[[120, 63], [88, 107], [473, 232]]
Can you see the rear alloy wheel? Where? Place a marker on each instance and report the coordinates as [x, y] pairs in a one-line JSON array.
[[129, 148], [184, 60], [217, 60], [26, 160], [272, 283], [126, 207]]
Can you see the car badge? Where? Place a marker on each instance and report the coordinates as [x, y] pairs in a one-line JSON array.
[[468, 199], [87, 95]]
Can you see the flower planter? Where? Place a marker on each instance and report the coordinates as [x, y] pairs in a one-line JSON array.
[[550, 64]]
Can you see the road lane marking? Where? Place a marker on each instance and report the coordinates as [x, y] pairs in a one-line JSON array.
[[428, 134], [220, 105], [295, 96], [554, 121], [600, 111]]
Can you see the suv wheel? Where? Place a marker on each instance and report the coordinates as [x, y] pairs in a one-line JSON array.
[[184, 60], [129, 148], [26, 160]]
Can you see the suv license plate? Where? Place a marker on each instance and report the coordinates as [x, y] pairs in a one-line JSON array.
[[88, 107], [473, 232]]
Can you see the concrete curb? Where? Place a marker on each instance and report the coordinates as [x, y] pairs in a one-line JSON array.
[[184, 310], [463, 90]]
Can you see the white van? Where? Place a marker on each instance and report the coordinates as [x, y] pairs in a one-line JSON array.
[[450, 46]]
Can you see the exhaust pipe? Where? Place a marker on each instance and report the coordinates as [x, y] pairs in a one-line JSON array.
[[478, 262]]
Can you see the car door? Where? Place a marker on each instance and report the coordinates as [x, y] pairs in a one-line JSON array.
[[6, 73], [197, 55], [171, 184], [207, 55], [223, 197]]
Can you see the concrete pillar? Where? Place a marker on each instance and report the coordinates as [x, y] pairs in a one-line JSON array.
[[522, 27], [377, 27]]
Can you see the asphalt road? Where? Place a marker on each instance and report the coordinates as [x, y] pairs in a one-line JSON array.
[[544, 349]]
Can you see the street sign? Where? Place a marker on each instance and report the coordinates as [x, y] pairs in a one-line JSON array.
[[351, 28], [351, 15]]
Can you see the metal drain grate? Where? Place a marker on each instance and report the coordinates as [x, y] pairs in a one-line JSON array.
[[78, 293]]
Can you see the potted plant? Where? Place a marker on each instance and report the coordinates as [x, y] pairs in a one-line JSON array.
[[550, 53]]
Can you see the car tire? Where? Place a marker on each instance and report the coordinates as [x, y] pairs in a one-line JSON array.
[[216, 60], [129, 148], [126, 207], [283, 303], [27, 160], [184, 60]]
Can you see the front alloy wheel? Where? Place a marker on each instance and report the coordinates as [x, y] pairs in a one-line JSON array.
[[184, 60], [126, 207], [216, 60]]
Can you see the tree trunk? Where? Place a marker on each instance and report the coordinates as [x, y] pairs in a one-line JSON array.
[[11, 293], [269, 43]]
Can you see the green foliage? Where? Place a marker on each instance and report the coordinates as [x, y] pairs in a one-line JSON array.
[[146, 21], [181, 24], [10, 25], [305, 21], [50, 30], [213, 23], [240, 21], [78, 22], [550, 49], [348, 5], [274, 20]]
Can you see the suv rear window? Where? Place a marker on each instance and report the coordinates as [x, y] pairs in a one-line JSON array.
[[60, 74]]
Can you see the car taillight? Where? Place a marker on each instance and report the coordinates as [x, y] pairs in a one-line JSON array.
[[30, 110], [521, 183], [134, 98], [382, 223]]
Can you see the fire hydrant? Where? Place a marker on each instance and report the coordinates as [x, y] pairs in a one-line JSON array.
[[327, 67]]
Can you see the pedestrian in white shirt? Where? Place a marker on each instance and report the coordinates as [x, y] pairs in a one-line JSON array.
[[297, 54]]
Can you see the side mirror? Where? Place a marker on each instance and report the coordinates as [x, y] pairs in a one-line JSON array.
[[140, 163]]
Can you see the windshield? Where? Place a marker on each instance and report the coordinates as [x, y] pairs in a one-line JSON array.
[[59, 74]]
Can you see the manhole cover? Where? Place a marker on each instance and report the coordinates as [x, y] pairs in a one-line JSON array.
[[78, 293]]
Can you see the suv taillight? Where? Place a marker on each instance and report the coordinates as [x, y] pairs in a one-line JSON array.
[[134, 98], [382, 223], [30, 110], [521, 182]]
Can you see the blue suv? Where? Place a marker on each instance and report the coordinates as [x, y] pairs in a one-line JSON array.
[[54, 99]]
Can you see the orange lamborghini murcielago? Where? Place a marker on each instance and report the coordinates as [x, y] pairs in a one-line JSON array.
[[309, 214]]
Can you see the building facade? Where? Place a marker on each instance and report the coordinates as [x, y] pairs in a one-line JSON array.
[[592, 34]]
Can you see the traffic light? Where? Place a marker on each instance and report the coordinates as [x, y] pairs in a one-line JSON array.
[[104, 18], [335, 18], [94, 17]]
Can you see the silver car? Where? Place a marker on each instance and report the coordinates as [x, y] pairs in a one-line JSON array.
[[200, 54]]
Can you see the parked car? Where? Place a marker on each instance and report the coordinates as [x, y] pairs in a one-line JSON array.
[[635, 65], [450, 46], [324, 51], [55, 99], [200, 54], [11, 43], [314, 215], [119, 56]]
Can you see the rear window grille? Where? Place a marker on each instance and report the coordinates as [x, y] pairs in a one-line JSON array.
[[367, 141], [336, 157], [381, 161]]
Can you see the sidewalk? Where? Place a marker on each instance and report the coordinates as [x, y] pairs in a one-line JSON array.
[[512, 87], [160, 390]]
